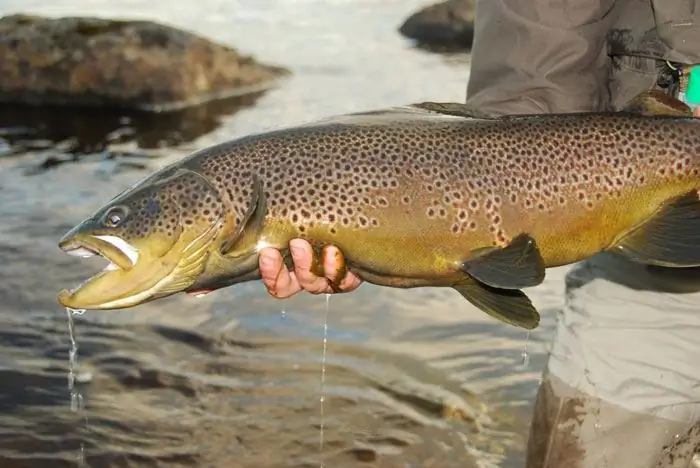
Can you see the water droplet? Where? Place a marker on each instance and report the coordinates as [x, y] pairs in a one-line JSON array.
[[81, 455], [76, 398], [323, 374], [283, 314], [525, 355], [597, 426]]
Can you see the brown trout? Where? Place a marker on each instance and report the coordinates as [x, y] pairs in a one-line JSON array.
[[426, 195]]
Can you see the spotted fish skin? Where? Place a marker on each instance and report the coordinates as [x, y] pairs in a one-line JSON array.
[[412, 195]]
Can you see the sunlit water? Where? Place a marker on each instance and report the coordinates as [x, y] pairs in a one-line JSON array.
[[409, 378]]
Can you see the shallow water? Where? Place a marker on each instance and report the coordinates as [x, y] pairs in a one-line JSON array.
[[414, 378]]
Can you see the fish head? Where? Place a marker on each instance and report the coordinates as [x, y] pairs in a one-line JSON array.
[[156, 236]]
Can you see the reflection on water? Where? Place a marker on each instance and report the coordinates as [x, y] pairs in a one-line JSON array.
[[89, 130], [413, 378]]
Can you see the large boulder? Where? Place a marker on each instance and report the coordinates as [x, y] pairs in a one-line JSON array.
[[448, 24], [132, 64]]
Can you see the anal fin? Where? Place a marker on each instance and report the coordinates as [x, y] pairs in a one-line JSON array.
[[510, 306], [515, 266], [670, 238]]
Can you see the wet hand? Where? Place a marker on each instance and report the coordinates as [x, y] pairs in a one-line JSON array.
[[282, 283]]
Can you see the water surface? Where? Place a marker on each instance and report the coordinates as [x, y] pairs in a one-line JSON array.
[[415, 378]]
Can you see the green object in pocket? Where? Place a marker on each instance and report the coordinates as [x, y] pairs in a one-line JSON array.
[[692, 93]]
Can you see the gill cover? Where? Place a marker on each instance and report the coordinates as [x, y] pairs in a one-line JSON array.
[[240, 236]]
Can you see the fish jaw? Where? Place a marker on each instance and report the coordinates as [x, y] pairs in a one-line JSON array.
[[131, 277], [135, 275]]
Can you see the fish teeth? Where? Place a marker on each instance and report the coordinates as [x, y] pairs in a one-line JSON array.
[[126, 248]]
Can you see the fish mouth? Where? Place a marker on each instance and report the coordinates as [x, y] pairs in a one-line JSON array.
[[120, 255], [117, 251]]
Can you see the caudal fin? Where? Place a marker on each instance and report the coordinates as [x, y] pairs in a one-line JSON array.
[[670, 238]]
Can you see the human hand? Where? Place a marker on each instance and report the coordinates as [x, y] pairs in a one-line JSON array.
[[282, 283]]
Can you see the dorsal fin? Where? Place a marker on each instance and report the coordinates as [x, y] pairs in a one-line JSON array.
[[455, 109], [655, 102]]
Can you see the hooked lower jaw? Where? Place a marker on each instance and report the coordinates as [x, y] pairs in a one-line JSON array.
[[119, 253]]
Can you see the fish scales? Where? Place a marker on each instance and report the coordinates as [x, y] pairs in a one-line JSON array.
[[412, 198], [482, 182]]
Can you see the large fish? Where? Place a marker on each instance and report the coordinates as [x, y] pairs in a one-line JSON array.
[[428, 195]]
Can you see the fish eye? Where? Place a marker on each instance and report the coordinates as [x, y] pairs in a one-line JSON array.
[[115, 216]]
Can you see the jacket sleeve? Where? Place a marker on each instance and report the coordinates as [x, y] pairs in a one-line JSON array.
[[535, 56]]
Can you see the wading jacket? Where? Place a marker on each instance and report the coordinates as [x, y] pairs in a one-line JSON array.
[[533, 56]]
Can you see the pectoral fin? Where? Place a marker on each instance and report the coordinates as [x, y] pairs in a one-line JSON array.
[[247, 232], [515, 266], [669, 238], [510, 306]]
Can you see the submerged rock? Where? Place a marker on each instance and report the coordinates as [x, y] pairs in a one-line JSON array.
[[445, 24], [145, 65]]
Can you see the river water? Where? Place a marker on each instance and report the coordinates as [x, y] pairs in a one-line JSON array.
[[414, 378]]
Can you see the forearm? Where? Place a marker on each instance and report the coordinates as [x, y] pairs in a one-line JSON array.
[[532, 56]]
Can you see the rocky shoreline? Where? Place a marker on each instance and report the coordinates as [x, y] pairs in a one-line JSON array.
[[144, 65]]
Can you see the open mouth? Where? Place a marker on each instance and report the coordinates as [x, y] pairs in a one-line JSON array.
[[119, 254]]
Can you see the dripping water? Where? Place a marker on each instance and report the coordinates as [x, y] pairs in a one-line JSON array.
[[323, 376], [525, 355], [76, 398]]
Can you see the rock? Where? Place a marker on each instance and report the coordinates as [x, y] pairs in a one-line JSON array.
[[446, 24], [77, 61]]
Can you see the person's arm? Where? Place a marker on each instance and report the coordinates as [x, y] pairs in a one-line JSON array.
[[529, 56], [537, 56]]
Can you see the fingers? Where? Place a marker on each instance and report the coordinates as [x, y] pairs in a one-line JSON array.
[[279, 281], [336, 271], [282, 283], [696, 112], [303, 257], [350, 283]]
